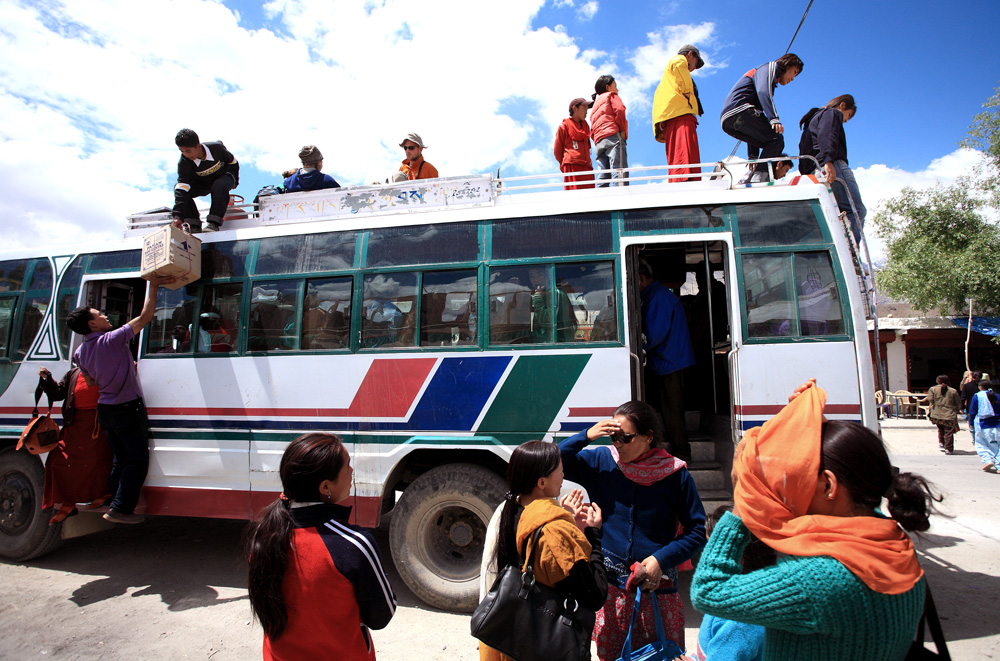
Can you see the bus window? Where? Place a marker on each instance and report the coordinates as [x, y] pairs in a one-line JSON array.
[[12, 274], [37, 300], [219, 318], [173, 322], [389, 313], [424, 244], [273, 324], [448, 308], [769, 298], [306, 253], [675, 218], [552, 236], [819, 305], [121, 260], [590, 289], [326, 320], [777, 224], [8, 305], [524, 304], [224, 260], [69, 293]]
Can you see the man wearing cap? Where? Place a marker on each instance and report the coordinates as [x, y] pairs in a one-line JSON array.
[[309, 176], [414, 165], [572, 146], [675, 111]]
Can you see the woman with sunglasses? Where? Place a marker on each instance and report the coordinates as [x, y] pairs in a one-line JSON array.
[[654, 521], [316, 582]]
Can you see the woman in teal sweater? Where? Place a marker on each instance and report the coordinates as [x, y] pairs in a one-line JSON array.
[[849, 586]]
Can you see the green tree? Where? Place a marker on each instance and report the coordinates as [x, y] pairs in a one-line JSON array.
[[943, 244]]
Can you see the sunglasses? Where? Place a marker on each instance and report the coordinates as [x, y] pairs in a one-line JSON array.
[[623, 438], [410, 147]]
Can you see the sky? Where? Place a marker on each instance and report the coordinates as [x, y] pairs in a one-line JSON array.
[[92, 92]]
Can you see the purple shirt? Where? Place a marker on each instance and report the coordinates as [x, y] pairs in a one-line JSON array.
[[105, 358]]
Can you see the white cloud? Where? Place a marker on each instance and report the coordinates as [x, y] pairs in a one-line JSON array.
[[588, 10], [650, 60], [879, 183]]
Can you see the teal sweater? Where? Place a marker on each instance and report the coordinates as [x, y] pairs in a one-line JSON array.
[[811, 608]]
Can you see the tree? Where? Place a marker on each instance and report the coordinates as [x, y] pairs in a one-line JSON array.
[[943, 244]]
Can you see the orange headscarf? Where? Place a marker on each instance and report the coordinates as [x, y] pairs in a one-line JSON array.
[[778, 468]]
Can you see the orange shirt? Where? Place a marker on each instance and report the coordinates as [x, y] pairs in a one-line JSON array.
[[418, 168]]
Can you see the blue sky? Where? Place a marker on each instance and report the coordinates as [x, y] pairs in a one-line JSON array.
[[92, 91]]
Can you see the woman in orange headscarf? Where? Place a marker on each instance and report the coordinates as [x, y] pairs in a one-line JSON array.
[[850, 585]]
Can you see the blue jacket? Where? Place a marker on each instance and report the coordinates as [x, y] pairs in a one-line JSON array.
[[754, 89], [310, 180], [976, 406], [824, 138], [639, 521], [668, 343]]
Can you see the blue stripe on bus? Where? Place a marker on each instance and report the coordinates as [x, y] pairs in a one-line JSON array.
[[458, 392]]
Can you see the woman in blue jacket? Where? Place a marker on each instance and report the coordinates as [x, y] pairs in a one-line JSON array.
[[653, 522], [749, 113], [984, 419]]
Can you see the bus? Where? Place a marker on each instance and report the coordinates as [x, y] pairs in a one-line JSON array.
[[435, 325]]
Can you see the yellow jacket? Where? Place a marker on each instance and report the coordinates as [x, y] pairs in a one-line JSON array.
[[669, 101]]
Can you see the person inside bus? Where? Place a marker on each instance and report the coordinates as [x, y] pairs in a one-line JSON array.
[[310, 175], [204, 169], [823, 137], [572, 146], [542, 306], [78, 469], [414, 166], [609, 129], [748, 113], [668, 349], [654, 521], [676, 109], [316, 583], [104, 358], [848, 584]]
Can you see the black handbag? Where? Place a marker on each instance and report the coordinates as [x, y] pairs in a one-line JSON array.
[[529, 621], [930, 617]]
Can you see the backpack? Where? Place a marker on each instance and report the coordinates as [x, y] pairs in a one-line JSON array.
[[265, 192], [42, 433]]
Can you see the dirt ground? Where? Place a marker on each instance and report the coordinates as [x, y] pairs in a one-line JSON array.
[[175, 588]]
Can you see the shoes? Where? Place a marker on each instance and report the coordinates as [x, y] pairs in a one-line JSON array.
[[988, 467], [99, 502], [946, 452], [210, 227], [64, 513], [114, 516]]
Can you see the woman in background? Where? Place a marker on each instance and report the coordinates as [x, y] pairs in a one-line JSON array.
[[609, 128]]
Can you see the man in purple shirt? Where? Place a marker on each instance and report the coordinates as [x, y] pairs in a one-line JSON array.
[[104, 358]]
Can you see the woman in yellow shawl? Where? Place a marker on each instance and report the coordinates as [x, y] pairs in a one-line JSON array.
[[569, 556], [849, 585]]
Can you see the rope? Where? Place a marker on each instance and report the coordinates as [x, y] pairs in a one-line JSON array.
[[803, 20]]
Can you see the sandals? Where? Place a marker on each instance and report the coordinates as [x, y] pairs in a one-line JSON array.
[[64, 512], [99, 502]]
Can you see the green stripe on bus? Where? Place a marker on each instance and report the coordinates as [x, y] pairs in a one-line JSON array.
[[532, 395]]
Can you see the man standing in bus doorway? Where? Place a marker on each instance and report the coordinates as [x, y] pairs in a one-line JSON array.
[[676, 108], [668, 351], [204, 169], [414, 166], [104, 358]]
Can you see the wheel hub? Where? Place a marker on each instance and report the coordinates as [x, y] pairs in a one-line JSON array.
[[460, 533], [16, 503]]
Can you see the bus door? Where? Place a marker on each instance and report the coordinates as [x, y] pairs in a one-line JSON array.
[[698, 273], [121, 300]]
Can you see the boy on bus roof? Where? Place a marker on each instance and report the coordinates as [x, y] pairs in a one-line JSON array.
[[104, 358], [204, 169], [309, 176]]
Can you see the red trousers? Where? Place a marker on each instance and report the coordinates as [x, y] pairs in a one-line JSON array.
[[569, 168], [681, 134]]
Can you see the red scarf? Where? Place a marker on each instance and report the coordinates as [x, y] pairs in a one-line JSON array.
[[650, 467]]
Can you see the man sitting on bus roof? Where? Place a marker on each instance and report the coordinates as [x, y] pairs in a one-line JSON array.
[[204, 169], [414, 165], [309, 176], [105, 359]]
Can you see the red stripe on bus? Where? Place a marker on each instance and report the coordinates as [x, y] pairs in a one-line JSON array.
[[772, 409], [591, 412]]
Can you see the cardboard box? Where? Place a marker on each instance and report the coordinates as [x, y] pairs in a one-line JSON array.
[[171, 251]]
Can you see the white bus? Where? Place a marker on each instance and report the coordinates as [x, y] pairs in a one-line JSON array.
[[435, 325]]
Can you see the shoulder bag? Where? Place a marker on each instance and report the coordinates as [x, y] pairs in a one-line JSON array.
[[42, 433], [930, 617], [529, 621], [661, 649]]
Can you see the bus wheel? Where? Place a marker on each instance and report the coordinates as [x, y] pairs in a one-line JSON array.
[[437, 533], [25, 532]]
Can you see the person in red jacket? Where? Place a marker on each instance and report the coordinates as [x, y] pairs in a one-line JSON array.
[[609, 128], [572, 148], [316, 583]]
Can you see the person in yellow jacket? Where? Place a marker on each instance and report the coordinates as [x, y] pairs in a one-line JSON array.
[[675, 111]]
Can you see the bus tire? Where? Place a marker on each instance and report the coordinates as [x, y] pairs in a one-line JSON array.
[[437, 533], [25, 532]]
